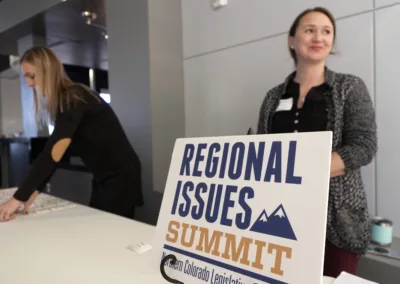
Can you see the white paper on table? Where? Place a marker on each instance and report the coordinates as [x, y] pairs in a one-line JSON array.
[[346, 278]]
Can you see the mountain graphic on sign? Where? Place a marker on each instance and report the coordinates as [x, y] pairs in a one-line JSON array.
[[277, 224]]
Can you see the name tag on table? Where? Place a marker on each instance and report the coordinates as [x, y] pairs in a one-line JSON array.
[[140, 248], [285, 105]]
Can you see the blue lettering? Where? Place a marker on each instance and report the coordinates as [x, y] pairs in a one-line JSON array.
[[223, 162], [274, 166], [184, 211], [227, 204], [290, 178], [237, 151], [212, 162], [199, 158], [187, 157], [249, 192], [255, 161], [176, 197], [211, 217], [201, 187], [195, 203], [229, 161]]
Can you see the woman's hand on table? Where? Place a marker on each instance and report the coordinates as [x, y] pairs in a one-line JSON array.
[[8, 209]]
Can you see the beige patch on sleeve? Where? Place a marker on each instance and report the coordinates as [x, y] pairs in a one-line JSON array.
[[59, 149]]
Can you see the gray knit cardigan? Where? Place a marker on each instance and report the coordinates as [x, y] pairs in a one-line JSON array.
[[351, 118]]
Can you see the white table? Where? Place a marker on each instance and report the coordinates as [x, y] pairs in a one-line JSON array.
[[79, 245]]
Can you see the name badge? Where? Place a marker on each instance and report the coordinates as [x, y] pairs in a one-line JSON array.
[[285, 105]]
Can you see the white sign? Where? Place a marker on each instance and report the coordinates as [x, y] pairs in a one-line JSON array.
[[246, 209]]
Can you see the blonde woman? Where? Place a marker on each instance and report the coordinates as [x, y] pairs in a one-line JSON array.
[[81, 117]]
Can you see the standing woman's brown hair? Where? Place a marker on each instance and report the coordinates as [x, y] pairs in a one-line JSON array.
[[45, 73]]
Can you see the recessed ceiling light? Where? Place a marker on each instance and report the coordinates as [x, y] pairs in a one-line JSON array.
[[89, 16]]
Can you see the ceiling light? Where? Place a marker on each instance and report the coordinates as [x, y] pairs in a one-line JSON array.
[[89, 16]]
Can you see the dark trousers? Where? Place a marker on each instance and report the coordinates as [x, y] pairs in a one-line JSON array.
[[338, 260], [111, 201]]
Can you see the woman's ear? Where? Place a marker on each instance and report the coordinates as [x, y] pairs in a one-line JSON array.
[[290, 42]]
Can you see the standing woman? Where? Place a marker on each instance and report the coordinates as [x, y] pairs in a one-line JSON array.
[[81, 117], [315, 98]]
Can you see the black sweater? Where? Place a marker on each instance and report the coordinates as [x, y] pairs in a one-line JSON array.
[[98, 137]]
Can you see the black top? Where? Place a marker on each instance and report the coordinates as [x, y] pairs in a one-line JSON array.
[[99, 139], [311, 117], [351, 119]]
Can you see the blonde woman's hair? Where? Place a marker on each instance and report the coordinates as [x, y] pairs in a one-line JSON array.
[[52, 82]]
